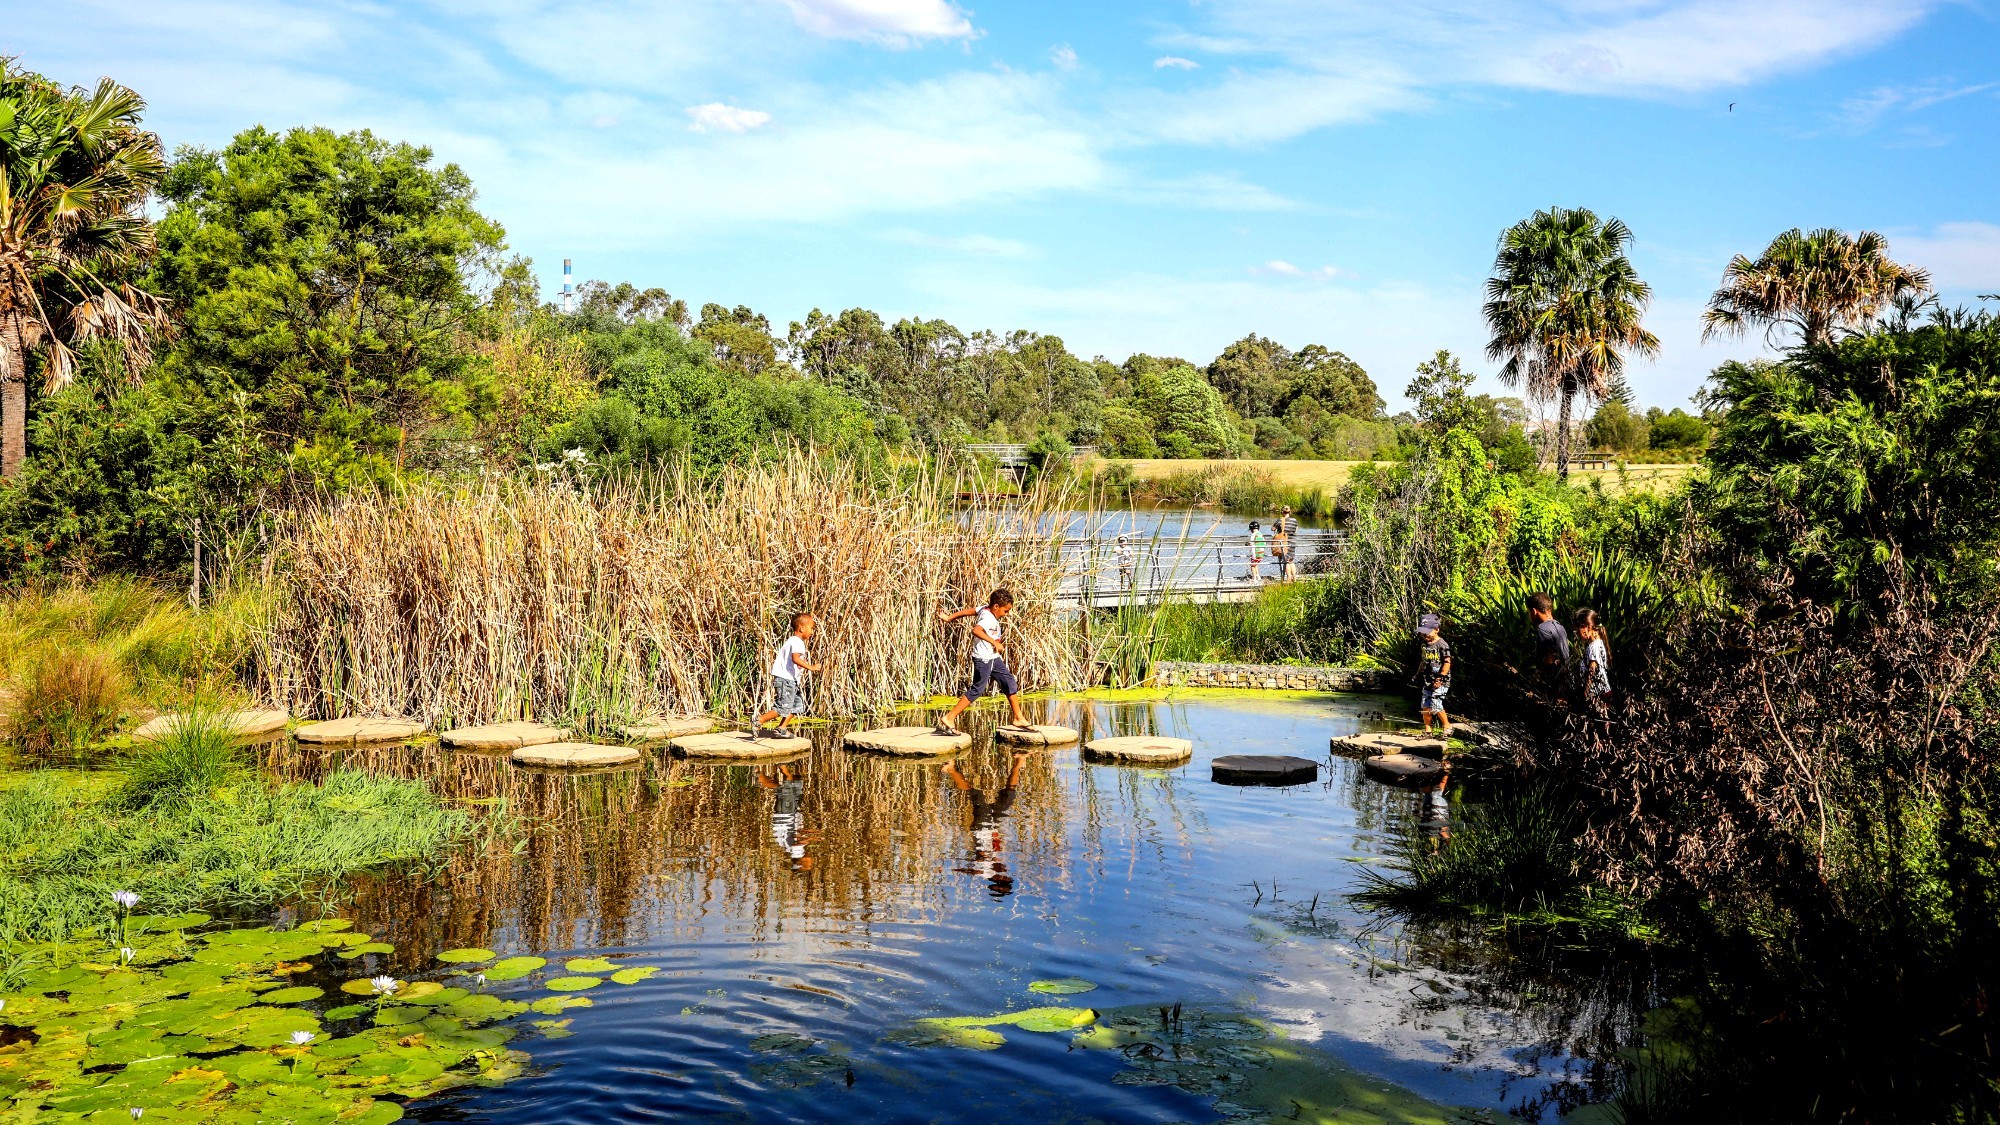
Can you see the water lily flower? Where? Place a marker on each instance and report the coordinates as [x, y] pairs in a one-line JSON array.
[[125, 954], [384, 985], [480, 979], [136, 1112], [301, 1038], [126, 900]]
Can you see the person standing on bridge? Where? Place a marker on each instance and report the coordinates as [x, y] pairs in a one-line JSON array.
[[1286, 542], [1256, 552]]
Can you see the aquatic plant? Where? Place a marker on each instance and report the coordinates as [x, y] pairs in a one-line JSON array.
[[1512, 855], [197, 756]]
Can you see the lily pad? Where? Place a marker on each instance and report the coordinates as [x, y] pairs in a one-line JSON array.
[[976, 1032], [513, 968], [349, 1011], [360, 986], [325, 926], [292, 995], [589, 965], [366, 948], [465, 956], [1063, 986], [574, 984], [634, 975], [555, 1005]]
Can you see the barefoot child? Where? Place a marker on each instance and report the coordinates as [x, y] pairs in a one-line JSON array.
[[989, 667], [788, 696], [1434, 672]]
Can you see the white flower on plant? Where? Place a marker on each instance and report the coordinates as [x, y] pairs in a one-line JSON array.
[[136, 1112], [125, 954], [576, 455], [480, 979], [126, 900], [384, 985], [545, 466], [301, 1038]]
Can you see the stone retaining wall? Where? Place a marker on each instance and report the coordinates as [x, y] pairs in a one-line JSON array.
[[1272, 677]]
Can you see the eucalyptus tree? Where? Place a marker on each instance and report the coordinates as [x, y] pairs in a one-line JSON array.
[[75, 169], [1814, 281], [1564, 307]]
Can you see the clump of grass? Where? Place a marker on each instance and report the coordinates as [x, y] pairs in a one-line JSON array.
[[569, 601], [190, 762], [1291, 621], [68, 701], [1515, 855], [68, 839]]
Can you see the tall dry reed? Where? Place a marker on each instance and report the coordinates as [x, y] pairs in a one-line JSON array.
[[592, 603]]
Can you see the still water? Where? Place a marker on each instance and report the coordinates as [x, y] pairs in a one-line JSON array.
[[802, 914]]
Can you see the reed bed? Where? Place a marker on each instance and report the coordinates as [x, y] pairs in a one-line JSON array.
[[596, 602]]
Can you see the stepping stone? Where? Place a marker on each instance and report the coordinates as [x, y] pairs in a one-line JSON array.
[[1147, 749], [503, 736], [908, 742], [1403, 769], [574, 755], [1040, 736], [1370, 743], [359, 729], [1264, 769], [661, 728], [737, 744], [242, 724]]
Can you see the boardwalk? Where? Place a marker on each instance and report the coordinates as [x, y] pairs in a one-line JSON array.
[[1209, 568]]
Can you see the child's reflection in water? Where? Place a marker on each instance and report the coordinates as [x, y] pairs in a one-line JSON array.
[[787, 822], [1434, 812], [988, 858]]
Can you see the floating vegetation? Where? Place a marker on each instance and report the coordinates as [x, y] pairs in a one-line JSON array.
[[513, 968], [185, 1026], [574, 984], [589, 965], [1254, 1074], [976, 1032], [634, 975], [796, 1061], [1063, 986], [465, 956]]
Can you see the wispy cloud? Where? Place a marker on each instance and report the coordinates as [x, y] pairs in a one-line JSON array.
[[715, 117], [895, 23], [981, 245], [1063, 55], [1964, 257], [1865, 111], [1278, 267], [1175, 62]]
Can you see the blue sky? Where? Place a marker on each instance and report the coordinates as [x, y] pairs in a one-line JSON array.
[[1158, 177]]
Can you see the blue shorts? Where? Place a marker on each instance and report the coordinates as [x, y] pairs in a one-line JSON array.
[[995, 673], [788, 697], [1433, 697]]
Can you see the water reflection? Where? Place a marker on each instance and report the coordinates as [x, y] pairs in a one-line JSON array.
[[839, 895]]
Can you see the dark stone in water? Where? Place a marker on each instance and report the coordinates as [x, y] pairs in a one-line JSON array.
[[1264, 769]]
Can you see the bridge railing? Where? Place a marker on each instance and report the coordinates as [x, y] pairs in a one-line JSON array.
[[1147, 570]]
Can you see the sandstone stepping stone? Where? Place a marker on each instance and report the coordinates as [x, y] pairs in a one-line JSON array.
[[1040, 736], [1403, 769], [661, 728], [502, 736], [1144, 748], [908, 742], [359, 729], [1264, 769], [243, 724], [1371, 743], [737, 744], [574, 755]]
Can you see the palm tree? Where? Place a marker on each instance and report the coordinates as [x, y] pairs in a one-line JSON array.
[[1564, 306], [75, 167], [1815, 282]]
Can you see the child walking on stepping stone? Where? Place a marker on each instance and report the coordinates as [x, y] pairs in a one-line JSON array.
[[788, 694], [989, 666], [1433, 672]]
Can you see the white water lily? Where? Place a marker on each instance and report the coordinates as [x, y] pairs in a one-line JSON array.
[[384, 985], [136, 1112], [126, 900], [480, 979], [301, 1038], [125, 954]]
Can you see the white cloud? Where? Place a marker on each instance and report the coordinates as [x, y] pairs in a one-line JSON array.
[[717, 117], [1278, 267], [1063, 55], [896, 23], [1864, 111], [1175, 62], [1963, 258], [1267, 105], [982, 245]]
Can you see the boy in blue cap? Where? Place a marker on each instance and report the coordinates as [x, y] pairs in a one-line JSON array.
[[1433, 672]]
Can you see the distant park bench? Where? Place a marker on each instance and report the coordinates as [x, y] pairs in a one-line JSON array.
[[1593, 461]]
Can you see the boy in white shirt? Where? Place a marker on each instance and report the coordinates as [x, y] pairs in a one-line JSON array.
[[788, 695], [989, 667]]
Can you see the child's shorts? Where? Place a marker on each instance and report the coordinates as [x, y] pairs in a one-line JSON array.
[[788, 697], [1433, 697], [991, 672]]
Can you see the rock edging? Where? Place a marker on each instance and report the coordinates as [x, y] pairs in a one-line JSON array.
[[1272, 677]]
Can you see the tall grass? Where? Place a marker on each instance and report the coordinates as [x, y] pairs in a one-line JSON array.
[[1233, 486], [592, 603], [69, 700], [195, 758], [1514, 855]]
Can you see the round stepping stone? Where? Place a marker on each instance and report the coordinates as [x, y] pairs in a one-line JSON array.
[[1403, 769], [1264, 769], [1040, 736], [661, 728], [908, 742], [574, 755], [1146, 748], [502, 736], [737, 744], [352, 731], [1370, 743], [242, 724]]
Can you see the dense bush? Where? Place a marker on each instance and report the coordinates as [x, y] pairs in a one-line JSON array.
[[72, 698]]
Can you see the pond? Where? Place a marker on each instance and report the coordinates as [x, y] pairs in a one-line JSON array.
[[806, 917]]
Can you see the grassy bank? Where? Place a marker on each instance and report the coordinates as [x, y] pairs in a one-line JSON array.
[[190, 825]]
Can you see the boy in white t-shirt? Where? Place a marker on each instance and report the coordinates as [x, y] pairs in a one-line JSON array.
[[989, 665], [788, 696]]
